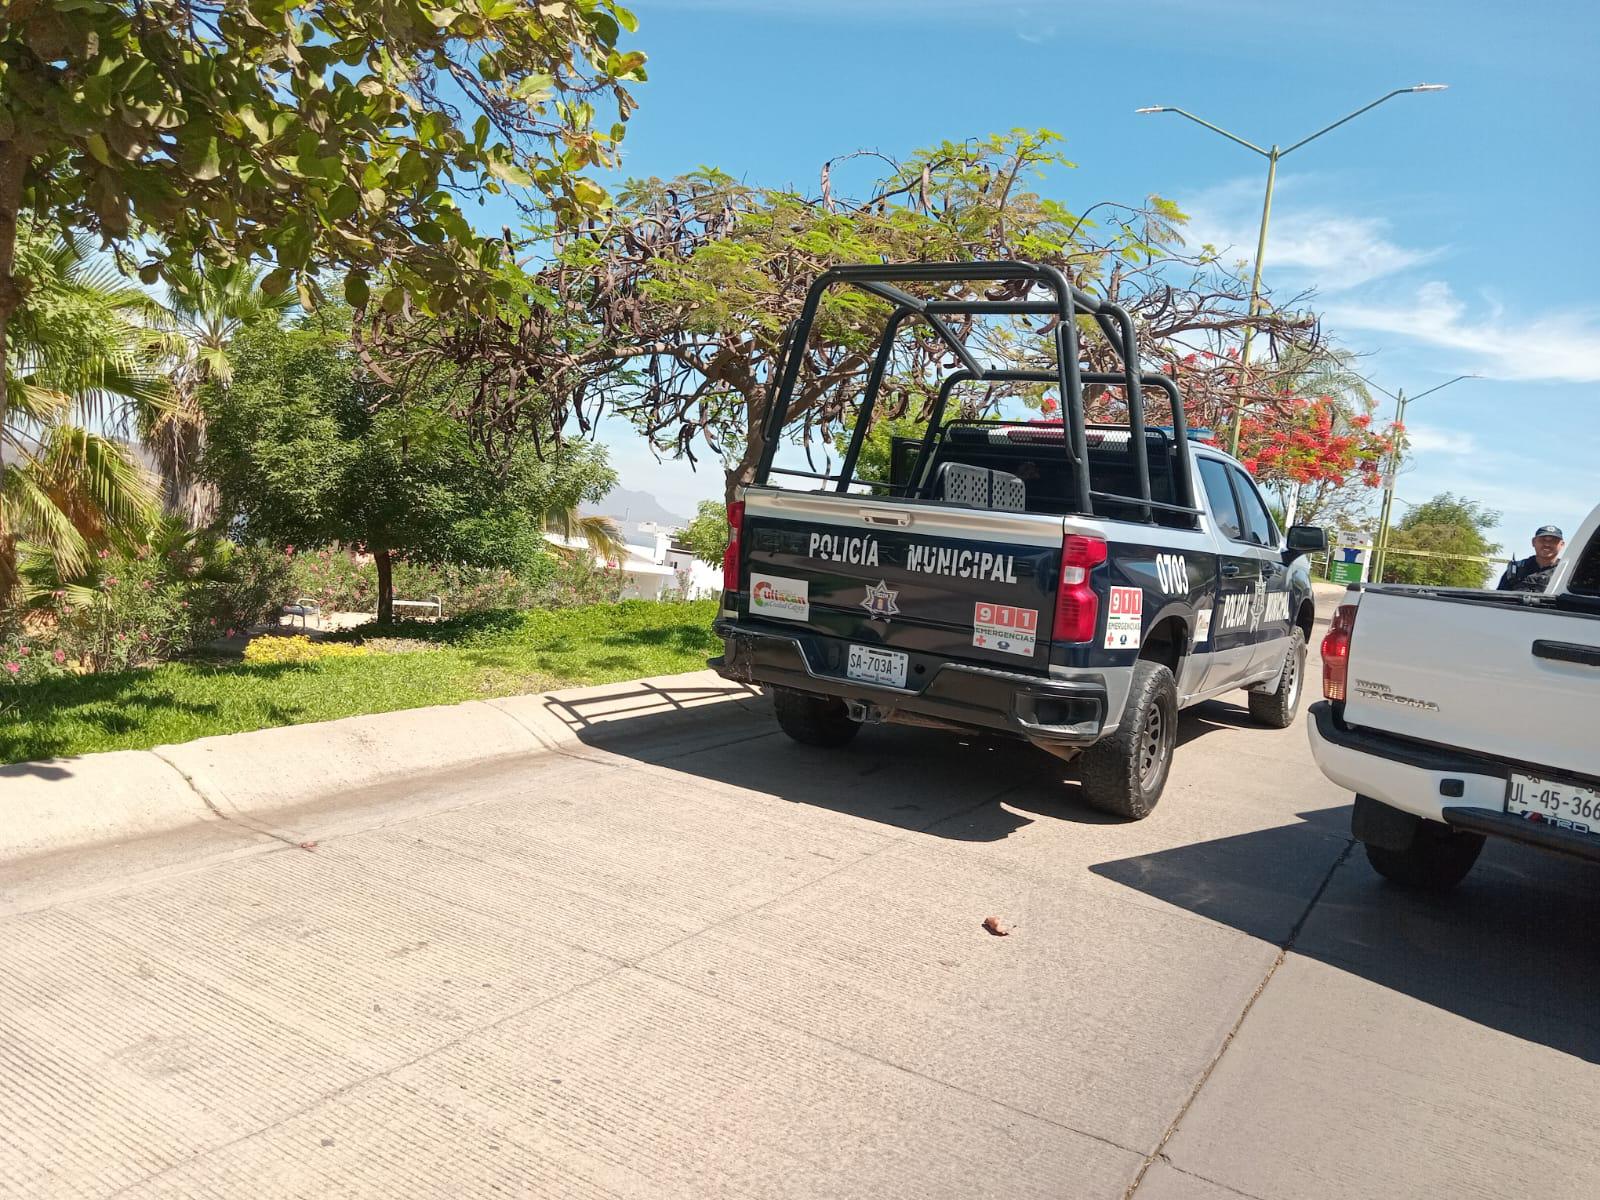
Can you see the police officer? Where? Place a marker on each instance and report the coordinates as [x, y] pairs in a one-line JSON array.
[[1532, 574]]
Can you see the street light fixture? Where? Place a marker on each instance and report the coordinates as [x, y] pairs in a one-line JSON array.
[[1401, 400], [1272, 156]]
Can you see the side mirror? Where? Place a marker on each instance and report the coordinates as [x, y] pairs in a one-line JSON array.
[[1306, 539]]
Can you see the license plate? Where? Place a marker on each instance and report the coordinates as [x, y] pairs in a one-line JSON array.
[[1565, 804], [868, 664]]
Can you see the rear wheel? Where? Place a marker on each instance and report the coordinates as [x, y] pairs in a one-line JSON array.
[[1437, 859], [1277, 710], [813, 720], [1123, 774]]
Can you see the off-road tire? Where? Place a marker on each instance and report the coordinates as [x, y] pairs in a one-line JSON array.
[[1123, 774], [1437, 860], [1278, 709], [813, 720]]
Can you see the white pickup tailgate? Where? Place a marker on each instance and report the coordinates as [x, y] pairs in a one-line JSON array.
[[1462, 673]]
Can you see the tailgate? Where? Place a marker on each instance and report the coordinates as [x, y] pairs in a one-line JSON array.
[[1463, 672], [969, 584]]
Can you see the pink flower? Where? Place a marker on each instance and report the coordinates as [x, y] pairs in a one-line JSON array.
[[22, 650], [105, 554], [60, 656], [111, 581], [230, 632], [13, 667]]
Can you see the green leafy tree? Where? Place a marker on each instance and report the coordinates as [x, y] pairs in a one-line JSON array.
[[310, 132], [1450, 532], [672, 308], [305, 450], [206, 307], [707, 534]]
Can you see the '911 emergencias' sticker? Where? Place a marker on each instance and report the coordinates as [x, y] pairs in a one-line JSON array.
[[1124, 618], [1006, 628]]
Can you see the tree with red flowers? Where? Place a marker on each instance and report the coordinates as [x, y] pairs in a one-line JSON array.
[[1309, 434]]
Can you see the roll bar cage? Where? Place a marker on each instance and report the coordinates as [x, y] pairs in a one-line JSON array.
[[1068, 303]]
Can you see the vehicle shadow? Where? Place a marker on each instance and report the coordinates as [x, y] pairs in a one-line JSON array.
[[1513, 948], [905, 777]]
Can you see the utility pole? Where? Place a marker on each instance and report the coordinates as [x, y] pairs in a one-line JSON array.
[[1386, 510], [1272, 156]]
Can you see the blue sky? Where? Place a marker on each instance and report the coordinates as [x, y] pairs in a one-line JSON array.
[[1445, 233]]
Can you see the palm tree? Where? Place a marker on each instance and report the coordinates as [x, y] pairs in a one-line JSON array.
[[600, 532], [81, 371], [206, 306]]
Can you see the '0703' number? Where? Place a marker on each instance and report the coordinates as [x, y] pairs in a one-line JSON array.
[[1172, 571]]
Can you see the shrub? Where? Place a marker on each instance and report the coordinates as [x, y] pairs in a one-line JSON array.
[[578, 580], [297, 649], [27, 659]]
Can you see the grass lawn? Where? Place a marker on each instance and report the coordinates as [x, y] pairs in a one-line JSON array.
[[496, 654]]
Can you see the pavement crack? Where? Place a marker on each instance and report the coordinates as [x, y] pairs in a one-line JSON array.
[[231, 818], [1244, 1013]]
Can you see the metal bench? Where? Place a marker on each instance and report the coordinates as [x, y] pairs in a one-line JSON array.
[[302, 607], [436, 603]]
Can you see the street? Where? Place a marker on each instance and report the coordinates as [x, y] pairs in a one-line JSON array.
[[694, 959]]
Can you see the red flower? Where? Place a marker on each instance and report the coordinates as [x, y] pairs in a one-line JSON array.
[[13, 667]]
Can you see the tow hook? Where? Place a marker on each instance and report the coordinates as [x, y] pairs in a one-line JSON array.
[[864, 713]]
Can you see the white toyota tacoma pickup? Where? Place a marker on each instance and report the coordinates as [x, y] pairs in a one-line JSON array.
[[1459, 715]]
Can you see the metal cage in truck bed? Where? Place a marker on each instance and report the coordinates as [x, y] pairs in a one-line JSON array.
[[1086, 454]]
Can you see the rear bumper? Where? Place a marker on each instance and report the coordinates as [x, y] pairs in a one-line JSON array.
[[1400, 774], [1050, 712], [1459, 790]]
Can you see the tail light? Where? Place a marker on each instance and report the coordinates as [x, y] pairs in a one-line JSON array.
[[1077, 607], [1336, 652], [730, 556]]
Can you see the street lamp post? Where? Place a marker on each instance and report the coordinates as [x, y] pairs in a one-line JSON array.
[[1272, 156], [1386, 510]]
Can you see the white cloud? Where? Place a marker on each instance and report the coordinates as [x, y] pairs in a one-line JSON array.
[[1308, 246], [1431, 439], [1521, 346]]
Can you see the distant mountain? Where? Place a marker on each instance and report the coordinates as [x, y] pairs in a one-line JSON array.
[[630, 509]]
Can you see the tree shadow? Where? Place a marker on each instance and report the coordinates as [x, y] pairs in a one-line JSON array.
[[114, 703], [1513, 948]]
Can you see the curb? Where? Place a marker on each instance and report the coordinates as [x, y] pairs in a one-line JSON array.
[[64, 804]]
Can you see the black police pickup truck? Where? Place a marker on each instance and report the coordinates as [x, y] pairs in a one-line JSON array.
[[1069, 584]]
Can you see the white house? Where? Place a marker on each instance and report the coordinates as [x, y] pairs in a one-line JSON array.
[[659, 571]]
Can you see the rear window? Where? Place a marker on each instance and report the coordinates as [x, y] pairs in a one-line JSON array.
[[1585, 579], [1214, 476], [1258, 525]]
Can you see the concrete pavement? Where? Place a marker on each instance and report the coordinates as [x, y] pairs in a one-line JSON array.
[[680, 956]]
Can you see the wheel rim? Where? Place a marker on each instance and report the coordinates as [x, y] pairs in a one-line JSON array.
[[1152, 746], [1291, 680]]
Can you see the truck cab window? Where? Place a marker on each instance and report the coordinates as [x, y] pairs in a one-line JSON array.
[[1214, 477], [1585, 579], [1257, 522]]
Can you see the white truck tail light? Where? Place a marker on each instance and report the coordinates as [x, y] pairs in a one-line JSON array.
[[1077, 607], [1336, 652], [730, 556]]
